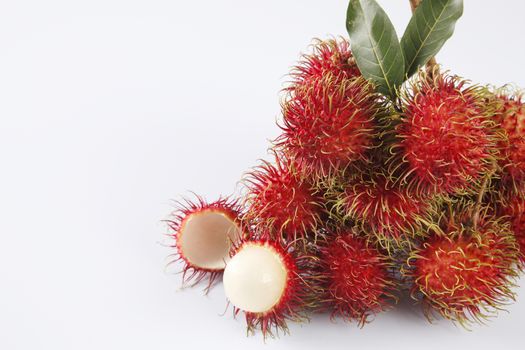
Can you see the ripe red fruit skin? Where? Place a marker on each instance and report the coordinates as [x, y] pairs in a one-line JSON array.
[[464, 274], [281, 202], [294, 302], [330, 57], [185, 208], [390, 212], [357, 281], [510, 118], [328, 123], [514, 210], [445, 139]]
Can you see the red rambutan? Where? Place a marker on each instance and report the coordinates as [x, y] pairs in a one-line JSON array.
[[328, 123], [391, 213], [268, 283], [510, 118], [330, 57], [203, 233], [280, 201], [356, 278], [446, 141], [461, 272], [514, 210]]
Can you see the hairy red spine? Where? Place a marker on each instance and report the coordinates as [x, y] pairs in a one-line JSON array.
[[357, 280], [445, 139], [286, 205], [464, 274]]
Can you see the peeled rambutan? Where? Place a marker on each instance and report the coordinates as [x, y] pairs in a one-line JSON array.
[[510, 119], [330, 57], [267, 282], [356, 278], [445, 138], [284, 204], [328, 123], [464, 272], [391, 213], [514, 211], [204, 233]]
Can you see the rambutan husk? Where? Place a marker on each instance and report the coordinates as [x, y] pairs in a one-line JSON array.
[[464, 271], [329, 121], [512, 208], [444, 141], [282, 203], [355, 279], [388, 215], [203, 234], [256, 266], [510, 122], [327, 57]]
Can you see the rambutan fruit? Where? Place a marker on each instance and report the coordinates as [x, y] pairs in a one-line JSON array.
[[267, 282], [390, 213], [330, 57], [204, 233], [356, 278], [445, 137], [514, 210], [279, 200], [464, 272], [510, 119], [328, 123]]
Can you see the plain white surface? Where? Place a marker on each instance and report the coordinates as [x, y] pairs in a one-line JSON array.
[[110, 108]]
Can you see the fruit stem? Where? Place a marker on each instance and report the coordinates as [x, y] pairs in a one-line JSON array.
[[481, 193], [432, 62]]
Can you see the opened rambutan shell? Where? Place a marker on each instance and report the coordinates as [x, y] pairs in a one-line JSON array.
[[445, 139], [464, 273], [204, 233], [356, 278], [510, 119], [284, 204], [328, 123], [268, 283]]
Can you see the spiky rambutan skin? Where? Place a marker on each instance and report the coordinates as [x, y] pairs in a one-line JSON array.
[[464, 273], [294, 303], [510, 119], [388, 213], [330, 57], [281, 202], [445, 138], [514, 210], [328, 123], [187, 209], [356, 278]]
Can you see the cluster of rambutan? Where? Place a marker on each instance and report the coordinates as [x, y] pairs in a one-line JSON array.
[[368, 198]]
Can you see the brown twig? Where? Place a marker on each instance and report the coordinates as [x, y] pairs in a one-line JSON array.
[[414, 4]]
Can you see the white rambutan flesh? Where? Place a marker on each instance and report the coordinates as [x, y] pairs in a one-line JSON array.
[[255, 278], [205, 239]]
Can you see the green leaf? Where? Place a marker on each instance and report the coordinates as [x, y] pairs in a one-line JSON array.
[[375, 45], [431, 25]]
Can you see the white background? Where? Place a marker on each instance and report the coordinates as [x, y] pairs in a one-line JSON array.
[[109, 109]]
